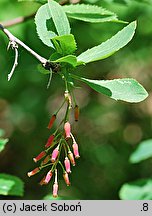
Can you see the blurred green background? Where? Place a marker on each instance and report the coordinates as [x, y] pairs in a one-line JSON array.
[[107, 132]]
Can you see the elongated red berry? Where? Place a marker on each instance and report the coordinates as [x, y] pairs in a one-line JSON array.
[[75, 150], [67, 165], [46, 160], [71, 157], [50, 141], [51, 122], [42, 181], [66, 178], [76, 112], [54, 154], [67, 129], [55, 190], [40, 156], [33, 172], [48, 177]]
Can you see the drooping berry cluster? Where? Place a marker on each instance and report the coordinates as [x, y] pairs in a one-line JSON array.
[[61, 142]]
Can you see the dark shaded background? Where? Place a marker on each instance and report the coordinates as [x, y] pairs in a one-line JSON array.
[[108, 131]]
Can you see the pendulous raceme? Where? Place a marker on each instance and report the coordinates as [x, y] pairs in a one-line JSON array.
[[60, 144]]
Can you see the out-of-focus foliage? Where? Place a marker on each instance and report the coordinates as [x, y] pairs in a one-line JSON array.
[[138, 190], [2, 140], [107, 131], [9, 185], [143, 152]]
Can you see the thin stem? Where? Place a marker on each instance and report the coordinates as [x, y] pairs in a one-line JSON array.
[[65, 150], [17, 20], [65, 77], [58, 126], [60, 147], [57, 135], [60, 107], [50, 78], [47, 150], [67, 145], [15, 62], [54, 166], [56, 176], [41, 167], [62, 167], [74, 99], [67, 113], [66, 85], [73, 138]]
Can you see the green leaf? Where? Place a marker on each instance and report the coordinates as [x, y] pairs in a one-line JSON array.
[[142, 152], [70, 59], [137, 190], [65, 44], [89, 13], [51, 20], [43, 21], [59, 18], [126, 89], [110, 46], [11, 185], [2, 143]]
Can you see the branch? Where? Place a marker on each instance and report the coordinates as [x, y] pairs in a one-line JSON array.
[[15, 47], [14, 42], [17, 20], [12, 38], [74, 1], [22, 19], [50, 78], [63, 2]]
